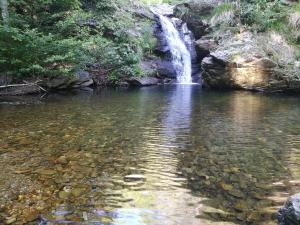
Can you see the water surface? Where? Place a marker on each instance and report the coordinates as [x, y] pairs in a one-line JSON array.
[[173, 155]]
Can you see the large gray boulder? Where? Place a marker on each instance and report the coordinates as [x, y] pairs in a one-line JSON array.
[[80, 80], [158, 67], [289, 214], [143, 81], [240, 62]]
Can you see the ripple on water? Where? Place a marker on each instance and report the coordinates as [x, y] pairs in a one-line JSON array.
[[163, 155]]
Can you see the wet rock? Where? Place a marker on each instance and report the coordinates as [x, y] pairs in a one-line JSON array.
[[240, 206], [76, 192], [80, 80], [63, 194], [226, 187], [289, 214], [46, 172], [123, 84], [236, 193], [163, 65], [165, 69], [10, 220], [143, 81]]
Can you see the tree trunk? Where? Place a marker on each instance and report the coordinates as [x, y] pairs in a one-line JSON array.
[[5, 16]]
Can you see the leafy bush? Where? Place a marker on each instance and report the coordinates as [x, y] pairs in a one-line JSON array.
[[30, 53], [263, 14], [57, 37], [224, 14]]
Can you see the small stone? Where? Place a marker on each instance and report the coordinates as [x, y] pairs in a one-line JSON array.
[[63, 194], [226, 187], [240, 206], [85, 216], [46, 172], [77, 192], [236, 193], [10, 220], [22, 171]]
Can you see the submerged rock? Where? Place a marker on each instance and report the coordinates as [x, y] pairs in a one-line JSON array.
[[289, 214]]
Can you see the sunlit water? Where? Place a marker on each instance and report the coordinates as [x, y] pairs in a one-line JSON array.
[[171, 155]]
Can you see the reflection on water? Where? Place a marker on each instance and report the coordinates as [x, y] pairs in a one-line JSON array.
[[156, 156]]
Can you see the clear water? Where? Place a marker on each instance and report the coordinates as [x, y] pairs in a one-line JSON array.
[[171, 155], [181, 56]]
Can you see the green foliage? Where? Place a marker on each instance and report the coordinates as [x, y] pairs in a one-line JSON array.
[[221, 8], [57, 37], [30, 53], [296, 7], [263, 14], [224, 14]]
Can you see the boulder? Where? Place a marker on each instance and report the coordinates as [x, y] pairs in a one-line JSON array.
[[204, 46], [149, 67], [143, 81], [165, 68], [158, 67], [289, 214], [80, 80], [240, 63]]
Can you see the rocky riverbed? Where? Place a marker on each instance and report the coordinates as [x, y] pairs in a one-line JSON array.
[[166, 153]]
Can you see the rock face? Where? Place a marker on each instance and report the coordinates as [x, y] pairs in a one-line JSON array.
[[157, 66], [143, 81], [192, 12], [290, 213], [204, 46], [80, 80], [240, 63], [163, 65]]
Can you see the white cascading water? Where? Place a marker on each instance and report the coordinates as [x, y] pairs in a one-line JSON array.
[[181, 56]]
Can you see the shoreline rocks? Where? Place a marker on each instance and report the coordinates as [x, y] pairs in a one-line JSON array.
[[82, 79], [143, 81], [289, 214]]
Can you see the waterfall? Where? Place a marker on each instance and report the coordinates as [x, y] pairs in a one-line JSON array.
[[177, 43]]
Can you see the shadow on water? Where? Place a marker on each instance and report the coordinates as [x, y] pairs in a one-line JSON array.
[[240, 159], [168, 155]]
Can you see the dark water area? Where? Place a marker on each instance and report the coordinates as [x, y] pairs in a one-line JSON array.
[[173, 155]]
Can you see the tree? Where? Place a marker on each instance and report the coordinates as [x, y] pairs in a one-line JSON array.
[[5, 16]]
